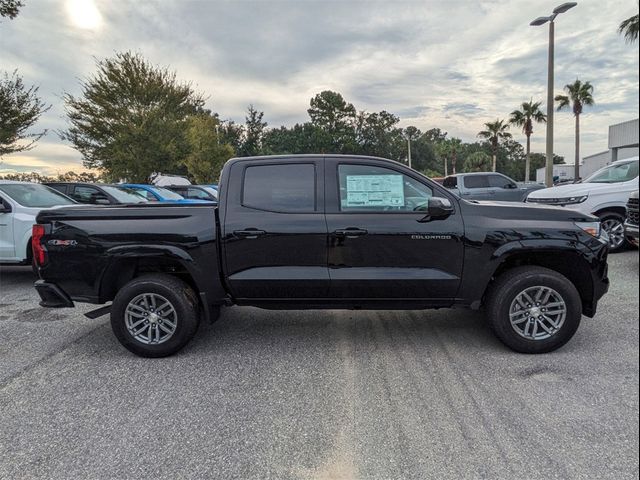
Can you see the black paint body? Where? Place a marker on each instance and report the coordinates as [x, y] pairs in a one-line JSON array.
[[245, 255]]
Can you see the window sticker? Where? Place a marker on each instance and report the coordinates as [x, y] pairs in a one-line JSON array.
[[375, 191]]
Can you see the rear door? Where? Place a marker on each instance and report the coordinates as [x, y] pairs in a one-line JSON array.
[[274, 233], [380, 244]]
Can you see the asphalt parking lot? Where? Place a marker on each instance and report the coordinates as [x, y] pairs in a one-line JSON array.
[[318, 395]]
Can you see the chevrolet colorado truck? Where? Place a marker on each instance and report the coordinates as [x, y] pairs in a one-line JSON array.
[[323, 231]]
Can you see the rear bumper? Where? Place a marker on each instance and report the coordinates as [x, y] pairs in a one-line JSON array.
[[52, 296]]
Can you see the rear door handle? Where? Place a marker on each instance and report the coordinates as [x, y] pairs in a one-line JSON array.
[[350, 232], [249, 233]]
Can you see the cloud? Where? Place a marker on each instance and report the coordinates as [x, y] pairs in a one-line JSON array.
[[449, 64]]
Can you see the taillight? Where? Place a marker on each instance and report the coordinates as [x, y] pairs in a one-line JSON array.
[[39, 254]]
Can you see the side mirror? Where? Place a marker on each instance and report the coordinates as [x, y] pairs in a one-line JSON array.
[[510, 186], [4, 208], [102, 201], [437, 207]]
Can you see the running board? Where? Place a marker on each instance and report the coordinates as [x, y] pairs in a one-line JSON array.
[[93, 314]]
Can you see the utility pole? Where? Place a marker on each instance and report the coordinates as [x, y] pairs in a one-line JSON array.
[[409, 150]]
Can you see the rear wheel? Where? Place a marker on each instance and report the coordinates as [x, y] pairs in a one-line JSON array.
[[533, 309], [613, 224], [154, 315]]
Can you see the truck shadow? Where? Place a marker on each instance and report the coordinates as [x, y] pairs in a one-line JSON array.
[[250, 329]]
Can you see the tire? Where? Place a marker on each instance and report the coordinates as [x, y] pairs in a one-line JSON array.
[[161, 309], [613, 224], [504, 303]]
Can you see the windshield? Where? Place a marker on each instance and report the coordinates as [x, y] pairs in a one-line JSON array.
[[35, 195], [168, 194], [124, 195], [619, 172]]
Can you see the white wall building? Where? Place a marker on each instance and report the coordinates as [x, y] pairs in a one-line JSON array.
[[623, 143]]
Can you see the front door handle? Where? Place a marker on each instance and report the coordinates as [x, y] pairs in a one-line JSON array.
[[350, 232], [249, 233]]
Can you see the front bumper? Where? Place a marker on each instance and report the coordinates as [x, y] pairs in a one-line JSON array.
[[52, 296], [631, 230]]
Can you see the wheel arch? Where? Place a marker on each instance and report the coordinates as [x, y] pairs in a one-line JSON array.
[[568, 263], [620, 210]]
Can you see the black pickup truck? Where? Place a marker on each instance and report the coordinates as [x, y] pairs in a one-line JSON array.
[[323, 231]]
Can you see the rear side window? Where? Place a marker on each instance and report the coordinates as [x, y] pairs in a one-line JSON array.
[[476, 181], [450, 182], [280, 188], [84, 194], [61, 187]]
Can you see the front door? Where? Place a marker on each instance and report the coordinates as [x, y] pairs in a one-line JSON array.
[[381, 242], [274, 230]]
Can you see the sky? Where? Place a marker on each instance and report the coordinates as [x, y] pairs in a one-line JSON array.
[[450, 64]]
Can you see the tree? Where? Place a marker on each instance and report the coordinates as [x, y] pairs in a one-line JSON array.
[[629, 28], [477, 162], [528, 113], [579, 95], [20, 109], [130, 118], [378, 135], [495, 133], [330, 112], [254, 132], [10, 8], [206, 154]]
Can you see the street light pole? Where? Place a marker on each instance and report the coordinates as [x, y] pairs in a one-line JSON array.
[[409, 150], [548, 178], [537, 22]]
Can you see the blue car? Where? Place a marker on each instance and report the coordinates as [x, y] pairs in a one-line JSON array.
[[158, 194]]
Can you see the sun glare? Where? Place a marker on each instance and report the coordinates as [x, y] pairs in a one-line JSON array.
[[84, 14]]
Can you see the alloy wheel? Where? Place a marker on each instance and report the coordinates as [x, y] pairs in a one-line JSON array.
[[537, 313], [615, 230], [151, 318]]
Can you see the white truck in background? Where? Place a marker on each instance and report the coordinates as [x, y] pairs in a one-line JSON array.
[[604, 194]]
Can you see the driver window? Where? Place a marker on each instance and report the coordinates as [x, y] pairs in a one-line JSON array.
[[378, 189]]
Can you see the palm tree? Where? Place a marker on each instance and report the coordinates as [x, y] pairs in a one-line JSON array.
[[630, 29], [579, 95], [529, 112], [496, 132], [477, 162]]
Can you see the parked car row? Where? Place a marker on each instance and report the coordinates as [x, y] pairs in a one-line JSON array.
[[121, 193], [20, 202]]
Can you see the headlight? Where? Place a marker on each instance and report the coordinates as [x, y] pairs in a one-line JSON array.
[[570, 200], [559, 201], [592, 228]]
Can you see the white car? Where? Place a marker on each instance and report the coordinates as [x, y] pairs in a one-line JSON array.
[[603, 194], [20, 202]]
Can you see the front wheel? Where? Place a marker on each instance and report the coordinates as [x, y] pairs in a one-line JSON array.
[[533, 309], [613, 224], [154, 315]]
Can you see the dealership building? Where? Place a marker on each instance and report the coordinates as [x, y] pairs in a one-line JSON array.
[[623, 143]]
